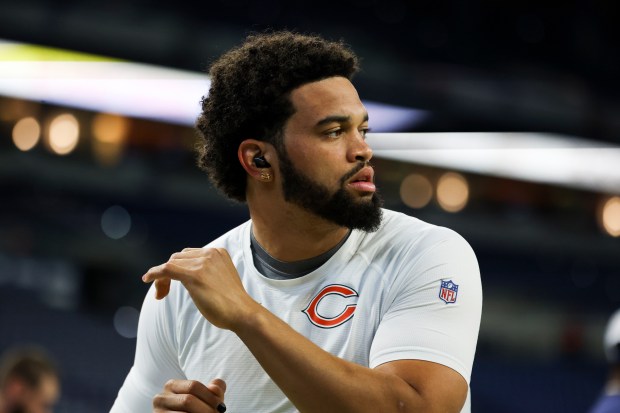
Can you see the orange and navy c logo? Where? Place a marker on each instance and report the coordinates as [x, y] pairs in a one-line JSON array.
[[329, 322]]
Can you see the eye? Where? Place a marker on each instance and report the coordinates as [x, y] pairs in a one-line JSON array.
[[334, 133], [364, 132]]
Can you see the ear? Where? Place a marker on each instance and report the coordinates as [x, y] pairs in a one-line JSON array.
[[251, 148]]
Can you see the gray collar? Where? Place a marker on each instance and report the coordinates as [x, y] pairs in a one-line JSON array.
[[271, 267]]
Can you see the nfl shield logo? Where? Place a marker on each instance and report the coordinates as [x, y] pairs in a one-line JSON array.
[[448, 291]]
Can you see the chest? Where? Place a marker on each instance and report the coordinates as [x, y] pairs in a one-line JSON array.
[[338, 312]]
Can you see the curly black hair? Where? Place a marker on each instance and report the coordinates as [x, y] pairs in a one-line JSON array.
[[249, 97]]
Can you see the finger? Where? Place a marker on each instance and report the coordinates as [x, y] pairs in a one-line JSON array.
[[217, 387], [188, 253], [188, 403], [166, 270], [211, 394], [162, 288], [199, 252], [193, 249]]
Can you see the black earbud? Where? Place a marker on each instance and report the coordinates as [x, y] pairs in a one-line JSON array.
[[260, 162]]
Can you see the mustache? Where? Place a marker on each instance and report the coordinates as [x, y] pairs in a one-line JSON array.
[[353, 171]]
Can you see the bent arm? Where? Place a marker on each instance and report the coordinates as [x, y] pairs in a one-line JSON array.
[[317, 381], [419, 336]]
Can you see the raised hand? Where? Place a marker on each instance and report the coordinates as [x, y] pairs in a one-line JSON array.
[[212, 281]]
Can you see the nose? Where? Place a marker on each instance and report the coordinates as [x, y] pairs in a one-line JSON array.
[[359, 150]]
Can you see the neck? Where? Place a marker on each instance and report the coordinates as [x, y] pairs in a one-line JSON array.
[[294, 234]]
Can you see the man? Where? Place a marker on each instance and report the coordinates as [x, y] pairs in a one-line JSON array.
[[28, 382], [323, 301], [609, 400]]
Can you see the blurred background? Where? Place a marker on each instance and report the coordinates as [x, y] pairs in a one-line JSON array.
[[500, 120]]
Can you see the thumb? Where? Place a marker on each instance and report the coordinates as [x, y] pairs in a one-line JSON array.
[[217, 386]]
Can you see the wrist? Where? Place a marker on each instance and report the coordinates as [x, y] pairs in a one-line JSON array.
[[252, 320]]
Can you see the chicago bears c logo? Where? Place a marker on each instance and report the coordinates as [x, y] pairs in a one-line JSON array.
[[329, 322]]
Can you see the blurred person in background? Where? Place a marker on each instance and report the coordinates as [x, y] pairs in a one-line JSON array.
[[609, 401], [323, 301], [29, 382]]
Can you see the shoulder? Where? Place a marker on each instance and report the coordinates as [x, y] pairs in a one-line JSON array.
[[410, 253], [409, 234]]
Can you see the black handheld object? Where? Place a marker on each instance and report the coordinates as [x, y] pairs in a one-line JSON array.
[[260, 162]]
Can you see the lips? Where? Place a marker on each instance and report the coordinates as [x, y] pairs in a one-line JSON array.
[[363, 180]]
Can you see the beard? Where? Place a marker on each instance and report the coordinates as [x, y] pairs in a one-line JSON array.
[[340, 207]]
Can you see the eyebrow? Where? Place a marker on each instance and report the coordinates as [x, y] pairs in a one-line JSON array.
[[338, 119]]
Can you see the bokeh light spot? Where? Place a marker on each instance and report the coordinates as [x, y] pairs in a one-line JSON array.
[[416, 191], [64, 133], [116, 222], [452, 192], [610, 216], [26, 133], [126, 321]]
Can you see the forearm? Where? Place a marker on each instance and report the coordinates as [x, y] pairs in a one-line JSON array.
[[317, 381]]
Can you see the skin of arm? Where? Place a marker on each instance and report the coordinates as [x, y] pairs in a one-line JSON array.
[[313, 379]]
